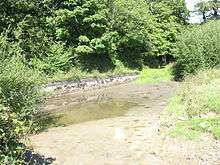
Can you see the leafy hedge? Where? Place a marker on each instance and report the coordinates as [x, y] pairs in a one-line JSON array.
[[198, 48], [19, 96]]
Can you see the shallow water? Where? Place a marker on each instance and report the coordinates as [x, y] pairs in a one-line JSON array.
[[93, 110], [109, 102]]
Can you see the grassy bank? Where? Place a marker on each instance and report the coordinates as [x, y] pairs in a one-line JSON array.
[[149, 76], [196, 106]]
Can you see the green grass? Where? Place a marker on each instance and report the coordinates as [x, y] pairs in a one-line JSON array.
[[193, 128], [146, 75], [155, 75], [197, 102], [184, 133]]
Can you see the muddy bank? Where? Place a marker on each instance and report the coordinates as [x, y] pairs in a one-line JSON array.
[[88, 83]]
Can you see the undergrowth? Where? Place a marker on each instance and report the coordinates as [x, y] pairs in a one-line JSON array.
[[196, 106]]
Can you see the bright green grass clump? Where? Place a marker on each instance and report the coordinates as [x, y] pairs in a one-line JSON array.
[[197, 102], [185, 133], [192, 128], [155, 75]]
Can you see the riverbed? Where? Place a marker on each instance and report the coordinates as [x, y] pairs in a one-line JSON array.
[[116, 125]]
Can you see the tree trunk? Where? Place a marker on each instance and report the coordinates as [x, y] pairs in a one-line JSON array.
[[204, 17], [215, 12]]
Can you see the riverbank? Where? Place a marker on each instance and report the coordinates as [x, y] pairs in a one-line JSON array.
[[98, 80], [90, 83], [195, 109]]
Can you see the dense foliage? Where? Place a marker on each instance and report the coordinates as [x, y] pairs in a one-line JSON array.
[[11, 129], [50, 37], [57, 35], [19, 96], [198, 48]]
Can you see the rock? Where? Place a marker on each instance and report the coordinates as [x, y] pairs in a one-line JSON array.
[[87, 83]]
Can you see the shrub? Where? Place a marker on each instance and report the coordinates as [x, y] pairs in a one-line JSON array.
[[51, 58], [19, 96], [7, 48], [198, 48], [19, 86], [11, 130]]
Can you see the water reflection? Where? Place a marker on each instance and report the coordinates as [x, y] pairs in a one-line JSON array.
[[89, 111]]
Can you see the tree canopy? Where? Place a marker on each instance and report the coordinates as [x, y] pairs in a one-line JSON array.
[[56, 35]]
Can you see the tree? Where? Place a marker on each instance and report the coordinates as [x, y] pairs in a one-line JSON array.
[[209, 9], [203, 7], [169, 18], [93, 33], [14, 11]]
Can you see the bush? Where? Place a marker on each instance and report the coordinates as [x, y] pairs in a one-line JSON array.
[[11, 130], [8, 49], [198, 48], [19, 96], [51, 58], [19, 86]]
